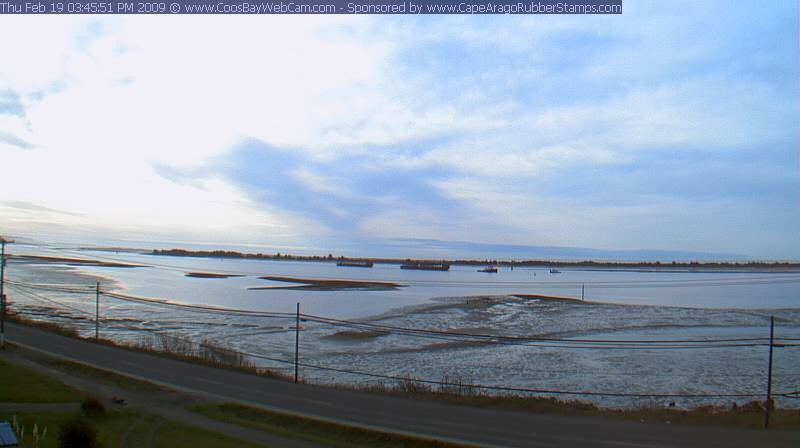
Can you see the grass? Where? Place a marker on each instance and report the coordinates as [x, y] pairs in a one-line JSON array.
[[312, 430], [750, 415], [455, 391], [205, 352], [21, 385], [109, 427], [105, 376], [172, 434], [112, 427]]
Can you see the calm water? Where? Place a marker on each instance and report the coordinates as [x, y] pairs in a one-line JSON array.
[[633, 305], [165, 278]]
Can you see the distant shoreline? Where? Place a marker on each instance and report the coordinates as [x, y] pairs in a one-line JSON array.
[[645, 266]]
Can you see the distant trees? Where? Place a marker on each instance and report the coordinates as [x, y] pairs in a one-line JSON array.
[[468, 262]]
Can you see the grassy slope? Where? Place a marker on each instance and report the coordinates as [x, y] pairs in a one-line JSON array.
[[172, 434], [111, 427], [308, 429], [747, 415], [104, 376], [21, 385]]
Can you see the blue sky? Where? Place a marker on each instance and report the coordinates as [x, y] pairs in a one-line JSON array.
[[670, 128]]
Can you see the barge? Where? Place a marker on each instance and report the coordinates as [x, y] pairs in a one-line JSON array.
[[426, 266], [355, 263]]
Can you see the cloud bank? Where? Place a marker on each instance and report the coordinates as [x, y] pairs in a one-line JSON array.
[[665, 128]]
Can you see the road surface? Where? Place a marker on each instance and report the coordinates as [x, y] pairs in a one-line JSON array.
[[433, 420]]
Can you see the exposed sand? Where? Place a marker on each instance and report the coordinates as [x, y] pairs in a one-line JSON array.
[[357, 335], [74, 261], [551, 298], [211, 275], [327, 285]]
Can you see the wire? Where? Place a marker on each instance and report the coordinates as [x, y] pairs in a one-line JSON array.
[[200, 308], [717, 343], [406, 330], [45, 299], [533, 341], [511, 389], [483, 386], [60, 288], [465, 337]]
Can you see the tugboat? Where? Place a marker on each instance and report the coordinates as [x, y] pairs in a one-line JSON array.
[[554, 271], [489, 269]]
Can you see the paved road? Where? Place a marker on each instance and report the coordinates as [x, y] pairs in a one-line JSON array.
[[470, 426]]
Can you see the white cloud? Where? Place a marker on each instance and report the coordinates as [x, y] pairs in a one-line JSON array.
[[136, 92], [322, 184], [108, 99]]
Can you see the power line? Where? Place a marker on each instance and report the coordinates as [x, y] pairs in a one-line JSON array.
[[199, 308], [45, 299], [436, 333], [489, 387], [406, 330], [60, 288], [514, 389], [534, 341]]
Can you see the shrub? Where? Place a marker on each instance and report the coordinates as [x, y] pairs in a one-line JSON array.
[[77, 433], [92, 407]]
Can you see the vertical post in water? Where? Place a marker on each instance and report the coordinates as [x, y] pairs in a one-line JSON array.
[[583, 291], [769, 371], [2, 293], [97, 312], [297, 343]]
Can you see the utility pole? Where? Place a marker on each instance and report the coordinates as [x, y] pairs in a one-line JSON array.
[[297, 344], [97, 312], [769, 371], [3, 293]]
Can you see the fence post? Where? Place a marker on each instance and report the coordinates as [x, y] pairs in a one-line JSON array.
[[769, 371], [297, 344], [97, 312]]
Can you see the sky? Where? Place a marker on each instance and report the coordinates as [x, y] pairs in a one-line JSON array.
[[670, 128]]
